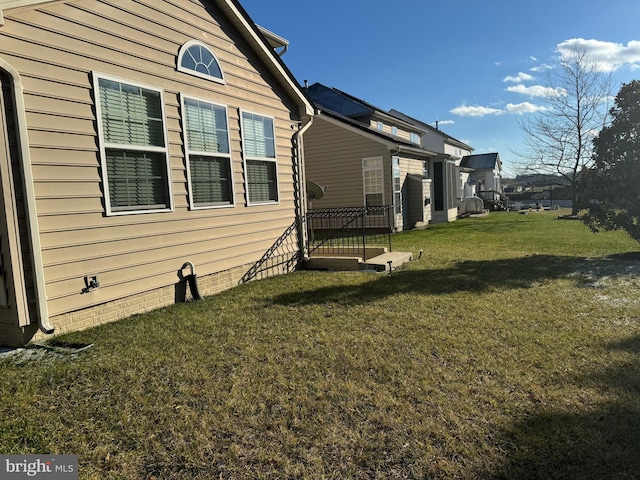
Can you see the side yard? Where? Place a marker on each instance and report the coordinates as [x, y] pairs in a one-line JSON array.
[[510, 349]]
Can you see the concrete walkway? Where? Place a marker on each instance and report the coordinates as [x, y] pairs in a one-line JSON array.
[[379, 263], [388, 260]]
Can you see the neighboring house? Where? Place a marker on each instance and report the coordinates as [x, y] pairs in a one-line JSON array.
[[366, 157], [136, 137], [436, 140], [485, 171]]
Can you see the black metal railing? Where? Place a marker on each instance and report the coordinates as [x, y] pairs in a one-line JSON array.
[[494, 200], [348, 230], [282, 257]]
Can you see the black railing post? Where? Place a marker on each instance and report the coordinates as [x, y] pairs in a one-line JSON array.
[[389, 225], [363, 216]]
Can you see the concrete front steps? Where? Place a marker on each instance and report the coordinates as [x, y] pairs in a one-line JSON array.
[[376, 259]]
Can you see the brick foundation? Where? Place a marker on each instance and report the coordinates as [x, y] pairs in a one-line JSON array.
[[139, 303]]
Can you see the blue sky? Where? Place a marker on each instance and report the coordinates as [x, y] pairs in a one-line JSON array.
[[473, 66]]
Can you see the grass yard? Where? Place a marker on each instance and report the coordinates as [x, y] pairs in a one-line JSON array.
[[509, 350]]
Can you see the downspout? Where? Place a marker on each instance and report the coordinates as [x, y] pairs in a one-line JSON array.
[[32, 214], [302, 200]]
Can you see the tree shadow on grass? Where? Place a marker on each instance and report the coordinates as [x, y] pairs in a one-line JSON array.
[[634, 256], [601, 441], [466, 276]]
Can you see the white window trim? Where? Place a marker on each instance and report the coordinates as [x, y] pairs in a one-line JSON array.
[[188, 152], [103, 145], [188, 71], [265, 159], [395, 169], [381, 168]]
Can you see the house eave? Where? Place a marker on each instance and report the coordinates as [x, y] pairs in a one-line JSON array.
[[275, 40]]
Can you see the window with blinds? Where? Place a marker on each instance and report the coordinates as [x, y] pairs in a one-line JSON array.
[[133, 146], [208, 154], [259, 149]]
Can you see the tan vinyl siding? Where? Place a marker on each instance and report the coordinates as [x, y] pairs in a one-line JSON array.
[[388, 129], [405, 135], [329, 149], [408, 166], [56, 48]]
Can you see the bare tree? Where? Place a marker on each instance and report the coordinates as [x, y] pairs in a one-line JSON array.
[[558, 139]]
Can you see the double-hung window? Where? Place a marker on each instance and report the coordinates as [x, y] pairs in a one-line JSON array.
[[397, 187], [208, 154], [259, 148], [133, 146], [373, 178]]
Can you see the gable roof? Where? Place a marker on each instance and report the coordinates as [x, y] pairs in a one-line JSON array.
[[483, 161], [430, 128], [255, 36]]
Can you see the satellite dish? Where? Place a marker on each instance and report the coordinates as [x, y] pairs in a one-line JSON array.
[[315, 191]]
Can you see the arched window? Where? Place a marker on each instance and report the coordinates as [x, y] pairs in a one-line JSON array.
[[195, 58]]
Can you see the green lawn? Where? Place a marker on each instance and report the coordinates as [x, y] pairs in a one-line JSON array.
[[509, 350]]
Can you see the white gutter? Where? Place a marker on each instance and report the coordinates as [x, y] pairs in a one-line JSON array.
[[276, 41], [30, 202]]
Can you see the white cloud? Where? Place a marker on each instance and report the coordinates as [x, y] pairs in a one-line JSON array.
[[444, 122], [541, 68], [524, 107], [537, 91], [511, 108], [475, 111], [521, 77], [532, 58], [608, 56]]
